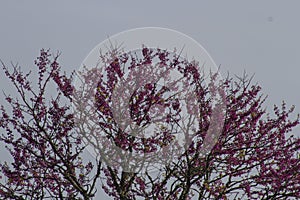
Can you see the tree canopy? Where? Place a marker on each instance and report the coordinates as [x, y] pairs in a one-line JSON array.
[[153, 136]]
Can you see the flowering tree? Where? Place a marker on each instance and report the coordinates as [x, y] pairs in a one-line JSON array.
[[198, 147]]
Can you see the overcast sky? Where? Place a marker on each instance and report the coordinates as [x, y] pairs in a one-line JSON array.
[[261, 37]]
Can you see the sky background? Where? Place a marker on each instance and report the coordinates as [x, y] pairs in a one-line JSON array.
[[261, 37]]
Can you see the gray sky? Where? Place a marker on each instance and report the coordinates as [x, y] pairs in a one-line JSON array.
[[261, 37]]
